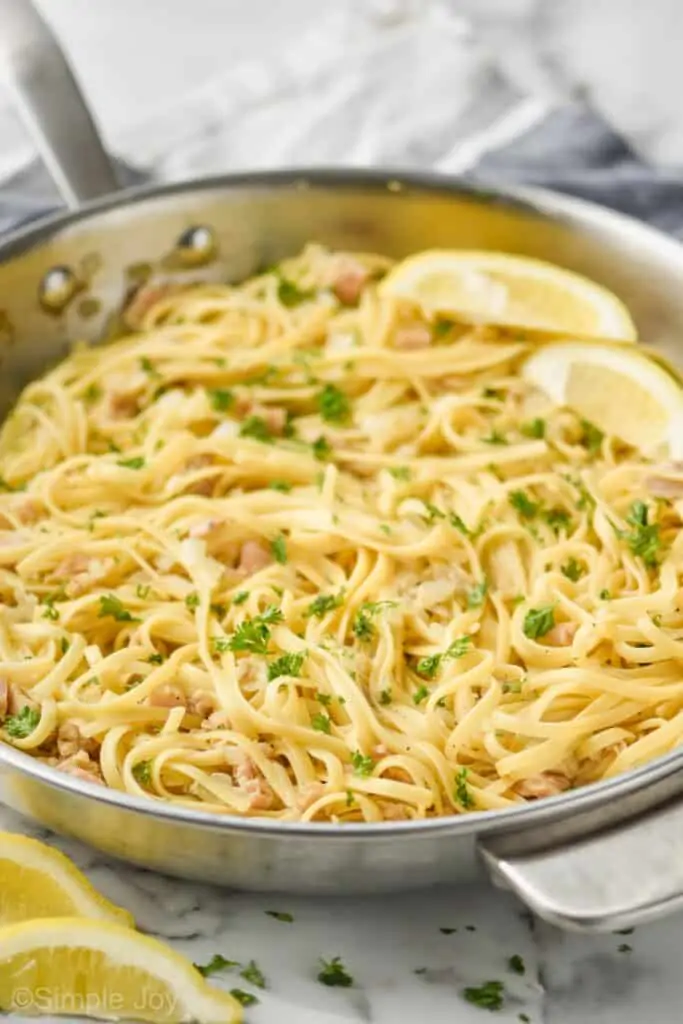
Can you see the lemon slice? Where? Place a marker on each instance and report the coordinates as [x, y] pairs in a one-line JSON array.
[[621, 390], [511, 291], [79, 967], [37, 881]]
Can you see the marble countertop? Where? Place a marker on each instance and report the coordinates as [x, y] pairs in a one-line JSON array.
[[411, 956]]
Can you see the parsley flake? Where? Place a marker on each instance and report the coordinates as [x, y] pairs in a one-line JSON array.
[[280, 485], [534, 428], [333, 973], [477, 594], [644, 539], [142, 771], [253, 974], [280, 915], [334, 406], [488, 996], [324, 603], [362, 764], [220, 398], [539, 621], [192, 600], [322, 449], [242, 997], [111, 605], [573, 570], [257, 428], [516, 964], [137, 462], [253, 635], [21, 725], [278, 548], [523, 504], [321, 723], [216, 963], [290, 294], [463, 794], [286, 665]]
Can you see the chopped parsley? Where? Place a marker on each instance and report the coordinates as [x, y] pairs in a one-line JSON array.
[[488, 996], [92, 392], [494, 393], [289, 293], [240, 597], [333, 404], [495, 437], [142, 771], [605, 595], [286, 665], [256, 428], [253, 634], [573, 570], [591, 437], [420, 694], [624, 948], [280, 485], [216, 963], [156, 659], [557, 519], [448, 931], [433, 512], [644, 539], [142, 591], [137, 462], [21, 725], [429, 665], [463, 794], [280, 915], [362, 764], [534, 428], [110, 605], [220, 398], [523, 504], [192, 600], [333, 973], [64, 645], [516, 964], [441, 329], [322, 449], [385, 697], [477, 594], [322, 723], [242, 997], [539, 621], [50, 612], [457, 522], [324, 603], [400, 472], [253, 974], [278, 548], [148, 366], [362, 625], [323, 698]]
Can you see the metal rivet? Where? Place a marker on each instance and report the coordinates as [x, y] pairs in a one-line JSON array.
[[57, 289], [196, 246]]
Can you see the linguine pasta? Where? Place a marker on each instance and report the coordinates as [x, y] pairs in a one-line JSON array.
[[288, 549]]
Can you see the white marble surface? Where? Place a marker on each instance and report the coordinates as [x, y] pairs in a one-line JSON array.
[[569, 979]]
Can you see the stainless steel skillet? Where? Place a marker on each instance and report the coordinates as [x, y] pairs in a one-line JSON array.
[[600, 858]]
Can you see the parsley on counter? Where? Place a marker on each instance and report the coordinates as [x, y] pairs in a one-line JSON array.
[[280, 915], [253, 974], [216, 963], [242, 997], [516, 964], [333, 973], [488, 996]]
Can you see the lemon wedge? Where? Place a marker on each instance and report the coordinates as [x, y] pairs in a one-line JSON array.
[[79, 967], [512, 291], [620, 390], [37, 881]]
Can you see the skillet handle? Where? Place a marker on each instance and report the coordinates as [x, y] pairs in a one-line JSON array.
[[609, 881], [50, 102]]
